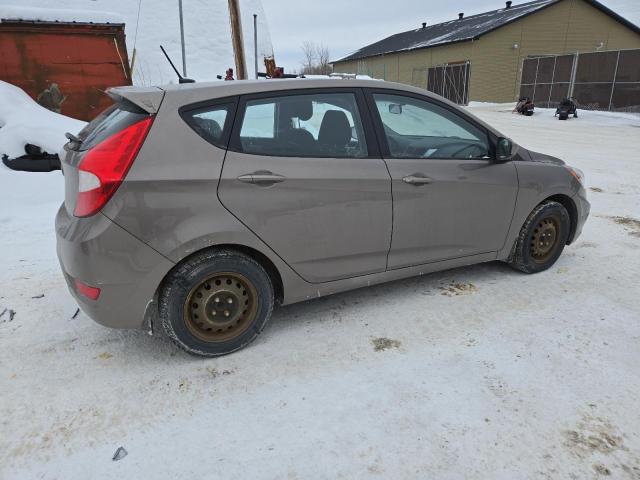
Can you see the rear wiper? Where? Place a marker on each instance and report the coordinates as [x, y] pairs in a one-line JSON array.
[[73, 138]]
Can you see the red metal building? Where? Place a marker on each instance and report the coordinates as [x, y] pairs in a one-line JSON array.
[[81, 59]]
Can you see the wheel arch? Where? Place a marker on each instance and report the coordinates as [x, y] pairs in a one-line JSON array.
[[261, 258], [568, 203]]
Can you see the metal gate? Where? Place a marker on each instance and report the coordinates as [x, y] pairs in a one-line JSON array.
[[450, 80], [597, 80]]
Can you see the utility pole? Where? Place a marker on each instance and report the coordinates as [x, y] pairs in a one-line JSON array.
[[255, 43], [184, 57], [236, 37]]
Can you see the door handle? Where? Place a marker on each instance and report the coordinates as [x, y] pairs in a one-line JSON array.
[[262, 177], [417, 179]]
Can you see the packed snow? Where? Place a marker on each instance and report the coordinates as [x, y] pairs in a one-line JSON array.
[[12, 12], [23, 121], [478, 372], [151, 23]]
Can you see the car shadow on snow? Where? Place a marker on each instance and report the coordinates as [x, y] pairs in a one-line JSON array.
[[349, 306], [458, 280]]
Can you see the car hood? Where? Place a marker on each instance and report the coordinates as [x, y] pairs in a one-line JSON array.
[[543, 158]]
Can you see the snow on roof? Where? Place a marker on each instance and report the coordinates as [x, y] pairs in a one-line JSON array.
[[36, 14], [464, 29]]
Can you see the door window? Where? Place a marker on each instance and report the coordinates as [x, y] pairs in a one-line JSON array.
[[420, 129], [311, 125]]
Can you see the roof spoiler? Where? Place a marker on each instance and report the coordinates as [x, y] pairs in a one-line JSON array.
[[147, 98]]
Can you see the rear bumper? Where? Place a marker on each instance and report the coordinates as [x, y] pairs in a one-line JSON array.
[[101, 254]]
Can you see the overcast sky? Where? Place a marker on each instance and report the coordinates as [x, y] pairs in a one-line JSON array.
[[346, 25]]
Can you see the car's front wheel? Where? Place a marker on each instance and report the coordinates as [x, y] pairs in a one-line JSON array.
[[216, 302], [542, 238]]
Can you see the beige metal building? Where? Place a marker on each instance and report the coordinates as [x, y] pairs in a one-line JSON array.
[[481, 57]]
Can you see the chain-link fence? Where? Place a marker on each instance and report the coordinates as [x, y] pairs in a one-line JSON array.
[[597, 80]]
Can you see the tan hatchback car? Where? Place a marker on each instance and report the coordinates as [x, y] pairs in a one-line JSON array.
[[197, 208]]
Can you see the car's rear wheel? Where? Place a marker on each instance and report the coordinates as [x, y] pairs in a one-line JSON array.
[[542, 238], [216, 302]]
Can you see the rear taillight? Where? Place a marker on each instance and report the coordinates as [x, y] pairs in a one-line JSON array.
[[92, 293], [104, 167]]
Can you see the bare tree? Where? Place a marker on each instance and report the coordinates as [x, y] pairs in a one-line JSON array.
[[322, 52], [316, 59], [309, 52]]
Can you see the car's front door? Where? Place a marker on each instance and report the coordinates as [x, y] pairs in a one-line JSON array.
[[300, 174], [451, 199]]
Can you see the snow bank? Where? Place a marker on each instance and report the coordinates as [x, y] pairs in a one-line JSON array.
[[23, 121], [14, 12]]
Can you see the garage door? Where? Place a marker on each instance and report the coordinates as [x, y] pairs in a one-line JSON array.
[[450, 81]]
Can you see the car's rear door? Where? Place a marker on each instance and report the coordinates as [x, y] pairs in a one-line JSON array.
[[451, 199], [303, 172]]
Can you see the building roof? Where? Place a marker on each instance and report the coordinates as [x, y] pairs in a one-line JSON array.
[[465, 29]]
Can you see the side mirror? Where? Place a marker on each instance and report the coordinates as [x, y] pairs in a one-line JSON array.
[[504, 150], [395, 108]]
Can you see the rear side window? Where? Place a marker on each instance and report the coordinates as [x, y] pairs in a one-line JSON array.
[[212, 122], [113, 120], [305, 125]]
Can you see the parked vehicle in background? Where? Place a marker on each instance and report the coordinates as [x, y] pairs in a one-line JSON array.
[[199, 207], [565, 108], [525, 106]]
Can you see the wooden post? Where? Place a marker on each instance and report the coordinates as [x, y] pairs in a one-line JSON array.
[[238, 41]]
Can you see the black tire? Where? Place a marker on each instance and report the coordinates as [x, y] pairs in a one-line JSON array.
[[194, 274], [563, 116], [529, 258]]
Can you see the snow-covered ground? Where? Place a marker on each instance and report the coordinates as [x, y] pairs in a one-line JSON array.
[[479, 373]]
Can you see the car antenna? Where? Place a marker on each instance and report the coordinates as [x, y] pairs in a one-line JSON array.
[[181, 79]]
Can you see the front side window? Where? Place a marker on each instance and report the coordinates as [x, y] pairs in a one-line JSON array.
[[420, 129], [210, 122], [307, 125]]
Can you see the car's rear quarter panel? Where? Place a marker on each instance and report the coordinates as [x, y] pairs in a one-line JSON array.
[[104, 255], [169, 198]]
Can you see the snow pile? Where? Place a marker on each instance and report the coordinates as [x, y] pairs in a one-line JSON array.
[[23, 121], [10, 12], [151, 23]]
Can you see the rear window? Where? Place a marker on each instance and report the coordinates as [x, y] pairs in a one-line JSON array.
[[114, 119], [211, 122]]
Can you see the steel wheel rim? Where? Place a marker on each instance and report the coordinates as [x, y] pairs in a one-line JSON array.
[[545, 239], [221, 307]]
